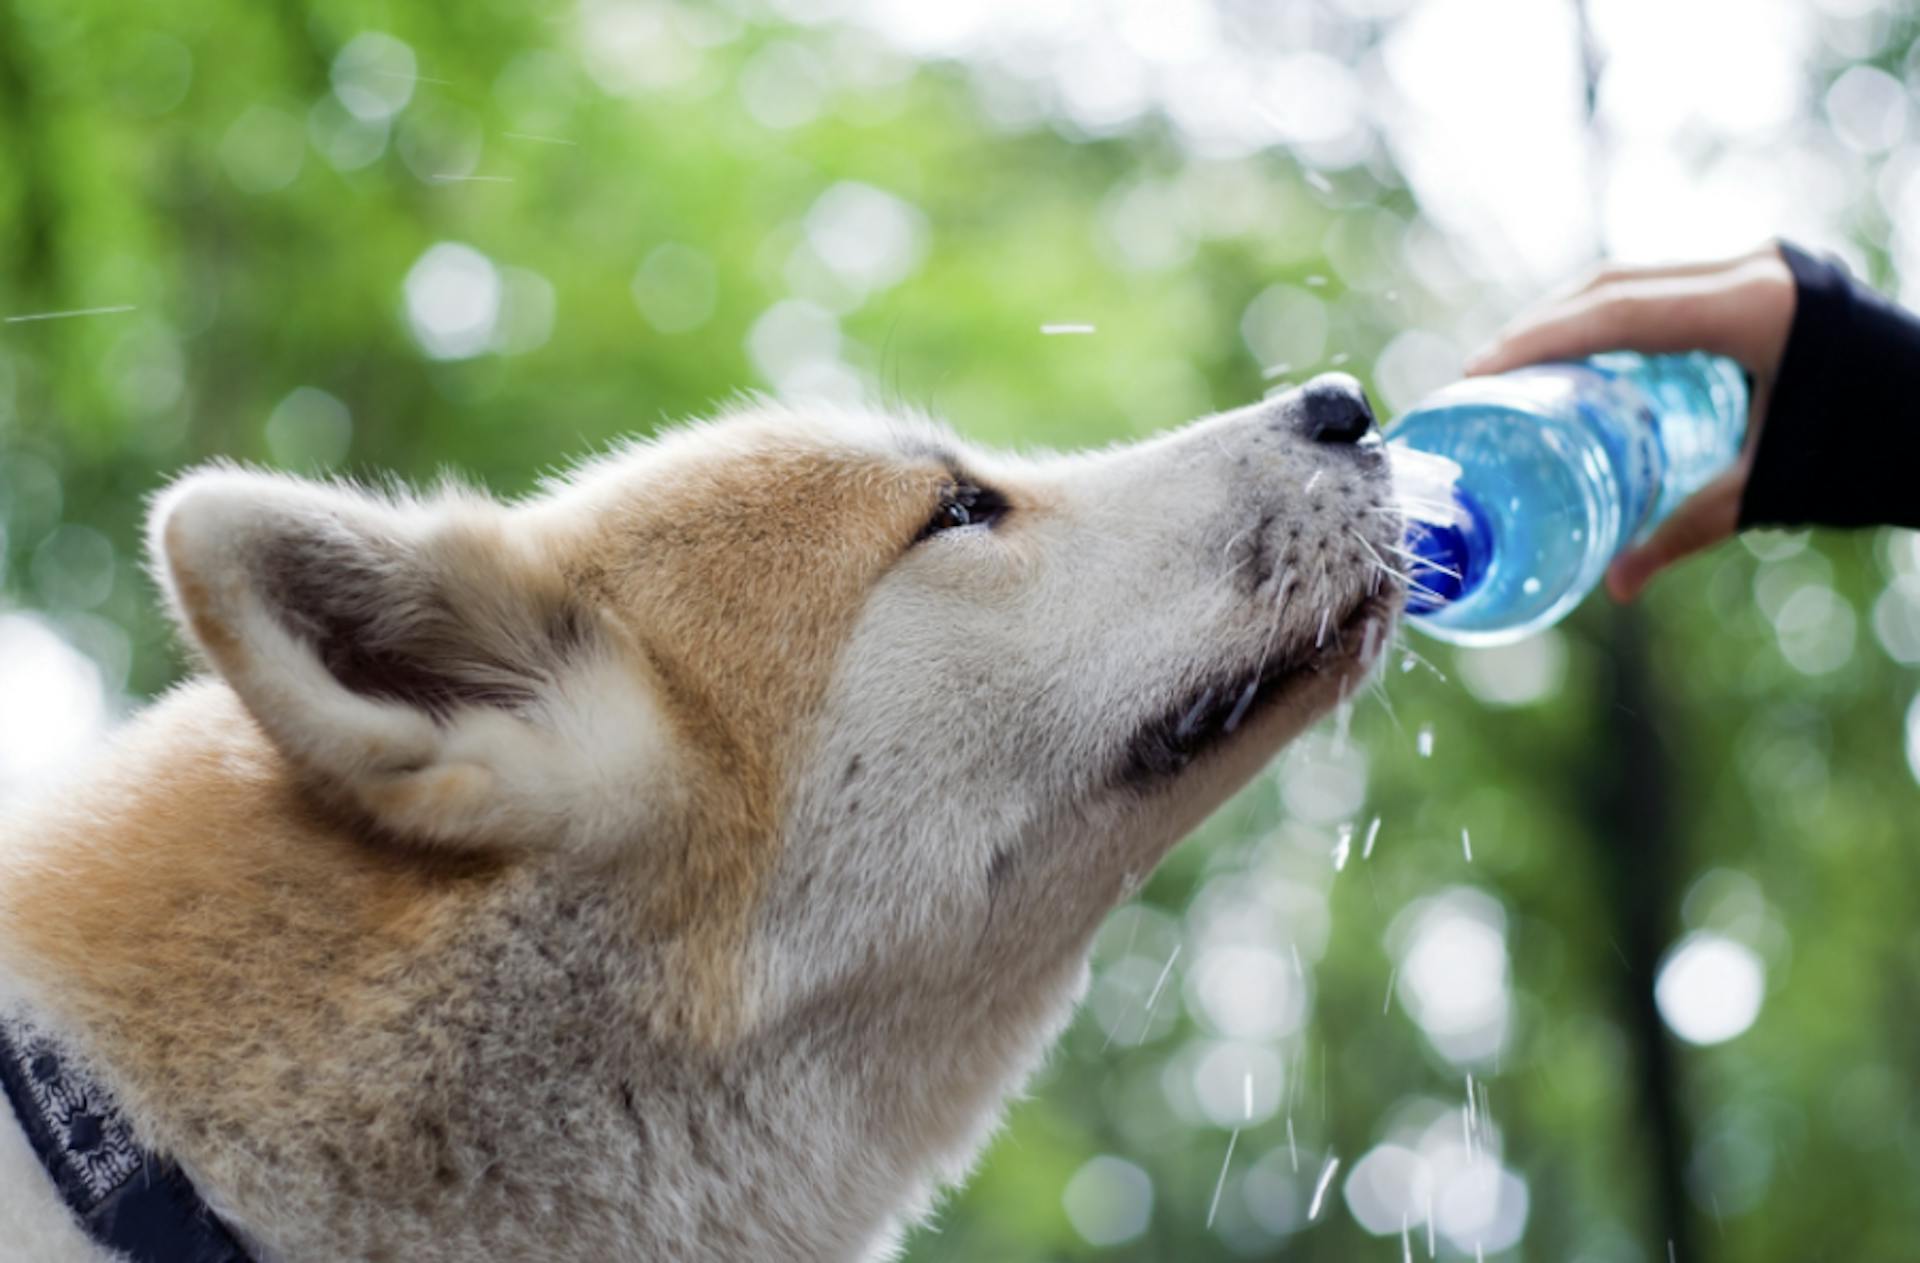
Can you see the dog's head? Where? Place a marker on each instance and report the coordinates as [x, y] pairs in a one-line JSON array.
[[830, 695]]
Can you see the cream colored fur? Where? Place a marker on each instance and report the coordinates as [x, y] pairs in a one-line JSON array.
[[684, 863]]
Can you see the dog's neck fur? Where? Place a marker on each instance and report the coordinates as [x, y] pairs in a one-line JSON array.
[[482, 1074]]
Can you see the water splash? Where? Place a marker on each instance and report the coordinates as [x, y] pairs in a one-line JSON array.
[[1343, 717], [1320, 1188], [1423, 484], [1240, 707], [1221, 1183], [1469, 1119], [66, 315], [1153, 997]]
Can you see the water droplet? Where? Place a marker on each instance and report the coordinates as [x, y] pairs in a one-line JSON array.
[[1221, 1183], [1320, 1188]]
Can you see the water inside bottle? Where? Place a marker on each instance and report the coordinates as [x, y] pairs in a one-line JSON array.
[[1528, 523]]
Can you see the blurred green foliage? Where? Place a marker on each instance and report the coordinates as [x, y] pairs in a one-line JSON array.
[[1729, 760]]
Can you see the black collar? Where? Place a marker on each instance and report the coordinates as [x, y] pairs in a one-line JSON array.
[[126, 1198]]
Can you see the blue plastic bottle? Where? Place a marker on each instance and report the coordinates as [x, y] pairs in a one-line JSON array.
[[1559, 467]]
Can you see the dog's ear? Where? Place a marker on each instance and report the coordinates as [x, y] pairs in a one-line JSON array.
[[423, 661]]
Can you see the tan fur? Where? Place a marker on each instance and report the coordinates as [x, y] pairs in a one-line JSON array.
[[737, 580]]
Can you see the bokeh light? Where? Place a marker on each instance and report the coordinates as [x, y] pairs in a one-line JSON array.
[[870, 239], [453, 296], [55, 705], [1519, 674], [263, 150], [1454, 975], [373, 76], [1109, 1201], [1710, 988], [675, 288], [309, 429]]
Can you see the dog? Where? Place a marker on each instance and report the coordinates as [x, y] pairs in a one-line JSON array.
[[685, 862]]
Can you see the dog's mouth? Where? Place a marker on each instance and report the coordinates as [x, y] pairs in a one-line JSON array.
[[1172, 741]]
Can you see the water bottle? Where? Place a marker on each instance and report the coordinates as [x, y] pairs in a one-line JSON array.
[[1519, 489]]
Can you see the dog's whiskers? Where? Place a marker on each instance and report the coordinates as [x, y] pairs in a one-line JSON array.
[[1372, 552], [1418, 560]]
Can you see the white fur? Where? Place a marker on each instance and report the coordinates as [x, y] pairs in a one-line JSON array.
[[558, 771]]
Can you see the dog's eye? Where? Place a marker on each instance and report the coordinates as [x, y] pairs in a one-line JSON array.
[[964, 504], [951, 514]]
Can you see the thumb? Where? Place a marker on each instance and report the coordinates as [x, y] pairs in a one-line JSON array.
[[1708, 517]]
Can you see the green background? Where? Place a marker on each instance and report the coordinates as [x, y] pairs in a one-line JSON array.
[[1730, 757]]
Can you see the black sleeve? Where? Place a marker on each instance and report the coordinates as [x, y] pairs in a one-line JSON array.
[[1841, 443]]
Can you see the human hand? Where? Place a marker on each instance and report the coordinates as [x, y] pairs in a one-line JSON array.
[[1741, 308]]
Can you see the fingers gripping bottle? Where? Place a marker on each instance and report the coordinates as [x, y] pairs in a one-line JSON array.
[[1519, 489]]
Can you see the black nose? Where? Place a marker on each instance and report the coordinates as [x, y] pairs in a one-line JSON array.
[[1333, 409]]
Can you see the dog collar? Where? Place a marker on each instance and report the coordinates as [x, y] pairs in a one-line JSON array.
[[127, 1199]]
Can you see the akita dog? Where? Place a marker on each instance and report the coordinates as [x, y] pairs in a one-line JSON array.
[[683, 863]]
